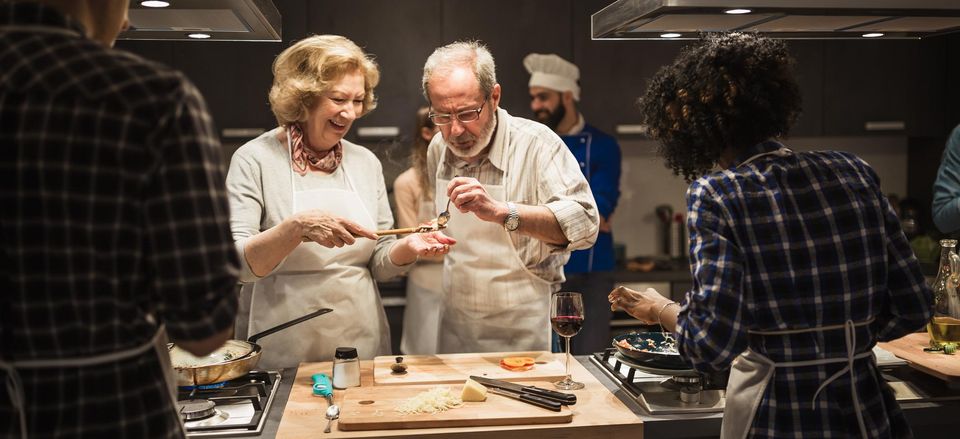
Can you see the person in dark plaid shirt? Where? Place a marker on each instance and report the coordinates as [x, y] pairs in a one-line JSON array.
[[114, 222], [799, 263]]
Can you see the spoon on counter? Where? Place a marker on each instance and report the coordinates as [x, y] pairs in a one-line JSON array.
[[333, 412]]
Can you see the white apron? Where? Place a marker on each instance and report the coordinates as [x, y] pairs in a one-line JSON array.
[[751, 372], [492, 302], [158, 343], [421, 316], [313, 277]]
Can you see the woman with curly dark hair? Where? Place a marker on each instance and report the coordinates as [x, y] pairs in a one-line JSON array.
[[799, 263]]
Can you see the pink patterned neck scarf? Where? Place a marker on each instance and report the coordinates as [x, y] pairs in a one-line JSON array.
[[307, 159]]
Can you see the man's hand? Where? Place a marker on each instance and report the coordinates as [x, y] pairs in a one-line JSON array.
[[468, 195], [328, 230]]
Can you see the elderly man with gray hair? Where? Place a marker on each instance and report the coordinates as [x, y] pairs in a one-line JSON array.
[[518, 203]]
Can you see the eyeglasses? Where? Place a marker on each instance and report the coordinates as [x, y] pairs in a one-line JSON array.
[[463, 116]]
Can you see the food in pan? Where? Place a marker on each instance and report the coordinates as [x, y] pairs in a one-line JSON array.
[[669, 345]]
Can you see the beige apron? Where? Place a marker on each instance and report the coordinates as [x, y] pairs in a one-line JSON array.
[[751, 373], [492, 302], [421, 315], [313, 277], [158, 343]]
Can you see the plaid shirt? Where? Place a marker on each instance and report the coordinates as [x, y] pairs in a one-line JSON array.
[[801, 241], [114, 219]]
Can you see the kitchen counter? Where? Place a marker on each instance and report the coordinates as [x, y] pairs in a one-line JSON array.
[[927, 419]]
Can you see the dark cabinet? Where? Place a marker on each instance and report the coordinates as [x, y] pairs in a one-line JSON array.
[[809, 72], [879, 81], [511, 30]]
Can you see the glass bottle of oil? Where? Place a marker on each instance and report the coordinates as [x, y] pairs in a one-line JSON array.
[[944, 327]]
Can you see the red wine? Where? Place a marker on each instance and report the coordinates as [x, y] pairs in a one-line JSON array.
[[567, 326]]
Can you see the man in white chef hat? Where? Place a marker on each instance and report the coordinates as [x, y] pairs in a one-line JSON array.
[[554, 94]]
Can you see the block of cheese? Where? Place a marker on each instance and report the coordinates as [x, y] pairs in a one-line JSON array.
[[473, 391]]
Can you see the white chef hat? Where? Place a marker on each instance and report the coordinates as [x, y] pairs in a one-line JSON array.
[[553, 72]]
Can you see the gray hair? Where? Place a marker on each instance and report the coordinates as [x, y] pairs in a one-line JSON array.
[[462, 54]]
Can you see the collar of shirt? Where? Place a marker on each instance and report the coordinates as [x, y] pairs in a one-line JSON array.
[[760, 148], [36, 15], [577, 127]]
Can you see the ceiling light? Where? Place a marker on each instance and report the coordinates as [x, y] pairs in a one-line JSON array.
[[199, 36], [154, 4], [670, 35], [872, 35], [737, 11]]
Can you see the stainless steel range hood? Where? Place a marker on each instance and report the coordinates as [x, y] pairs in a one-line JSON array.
[[209, 20], [786, 19]]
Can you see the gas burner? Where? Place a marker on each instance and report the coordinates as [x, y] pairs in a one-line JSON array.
[[238, 407], [196, 409], [662, 391]]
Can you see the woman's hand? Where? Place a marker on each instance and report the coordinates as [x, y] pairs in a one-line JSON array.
[[328, 230], [642, 305], [428, 244], [406, 250]]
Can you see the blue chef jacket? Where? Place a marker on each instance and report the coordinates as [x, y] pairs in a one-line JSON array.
[[599, 156]]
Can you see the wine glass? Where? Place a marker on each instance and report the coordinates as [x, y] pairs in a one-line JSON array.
[[566, 316]]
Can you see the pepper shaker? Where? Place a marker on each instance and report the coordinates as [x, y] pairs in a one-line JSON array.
[[346, 368]]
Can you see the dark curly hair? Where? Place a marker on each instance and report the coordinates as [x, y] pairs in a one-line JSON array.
[[729, 90]]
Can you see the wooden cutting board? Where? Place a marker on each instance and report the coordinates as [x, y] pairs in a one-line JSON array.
[[938, 364], [373, 408], [455, 368]]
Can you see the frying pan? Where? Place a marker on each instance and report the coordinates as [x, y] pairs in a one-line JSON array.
[[659, 360], [232, 360]]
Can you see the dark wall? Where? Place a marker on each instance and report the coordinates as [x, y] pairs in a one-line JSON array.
[[845, 83]]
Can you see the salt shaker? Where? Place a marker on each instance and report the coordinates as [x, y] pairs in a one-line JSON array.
[[346, 368]]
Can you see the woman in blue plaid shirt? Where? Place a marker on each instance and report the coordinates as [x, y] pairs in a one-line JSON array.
[[799, 264]]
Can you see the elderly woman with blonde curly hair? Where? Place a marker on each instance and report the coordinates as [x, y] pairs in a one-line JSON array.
[[305, 206]]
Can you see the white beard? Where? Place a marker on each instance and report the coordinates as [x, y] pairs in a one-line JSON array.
[[481, 142]]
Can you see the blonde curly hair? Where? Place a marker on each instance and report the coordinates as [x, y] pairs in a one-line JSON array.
[[305, 70]]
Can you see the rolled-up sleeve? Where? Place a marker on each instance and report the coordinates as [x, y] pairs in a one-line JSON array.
[[568, 196]]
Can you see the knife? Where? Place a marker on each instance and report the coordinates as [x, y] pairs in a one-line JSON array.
[[548, 404], [562, 398]]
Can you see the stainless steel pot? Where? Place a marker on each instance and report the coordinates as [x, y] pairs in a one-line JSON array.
[[232, 360]]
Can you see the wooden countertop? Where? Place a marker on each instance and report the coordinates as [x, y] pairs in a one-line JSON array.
[[597, 414]]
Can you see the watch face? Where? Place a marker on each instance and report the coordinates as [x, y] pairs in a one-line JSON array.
[[512, 223]]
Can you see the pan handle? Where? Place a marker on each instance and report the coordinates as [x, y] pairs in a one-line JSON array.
[[253, 338]]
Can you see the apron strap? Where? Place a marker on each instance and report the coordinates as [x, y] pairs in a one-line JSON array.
[[850, 339], [14, 383]]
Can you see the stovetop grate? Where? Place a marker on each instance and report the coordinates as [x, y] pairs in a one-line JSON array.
[[252, 395]]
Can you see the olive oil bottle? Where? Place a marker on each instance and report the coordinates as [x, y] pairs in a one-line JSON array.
[[944, 327]]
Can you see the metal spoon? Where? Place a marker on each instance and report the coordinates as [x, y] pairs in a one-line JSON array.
[[445, 215], [333, 412]]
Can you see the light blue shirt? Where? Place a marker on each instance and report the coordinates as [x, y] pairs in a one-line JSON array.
[[946, 189]]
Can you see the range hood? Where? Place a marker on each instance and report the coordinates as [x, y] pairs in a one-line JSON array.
[[785, 19], [210, 20]]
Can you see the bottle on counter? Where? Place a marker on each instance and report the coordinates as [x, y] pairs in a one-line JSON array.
[[944, 327], [346, 368]]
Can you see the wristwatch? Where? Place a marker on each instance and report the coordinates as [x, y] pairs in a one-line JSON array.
[[512, 221]]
